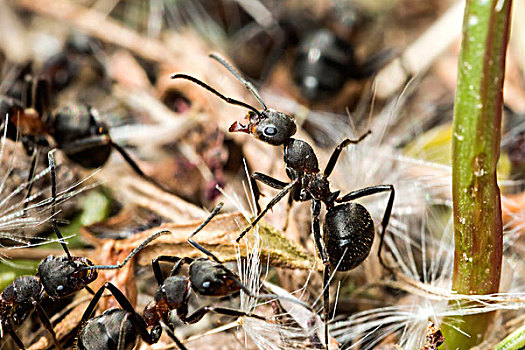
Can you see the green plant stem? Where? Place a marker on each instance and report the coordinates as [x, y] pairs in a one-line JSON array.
[[475, 151]]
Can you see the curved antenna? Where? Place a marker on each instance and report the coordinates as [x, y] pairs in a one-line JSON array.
[[238, 75], [212, 90]]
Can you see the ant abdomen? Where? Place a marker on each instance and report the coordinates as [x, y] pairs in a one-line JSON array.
[[348, 235], [105, 331]]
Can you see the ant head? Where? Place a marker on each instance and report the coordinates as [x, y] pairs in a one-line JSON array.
[[211, 278], [62, 276], [269, 126]]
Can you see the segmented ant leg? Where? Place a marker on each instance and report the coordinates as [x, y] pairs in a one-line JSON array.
[[256, 193], [198, 314], [136, 168], [175, 270], [288, 209], [47, 324], [32, 169], [326, 302], [367, 191], [42, 98], [337, 152], [136, 320], [7, 326], [270, 205], [267, 180], [51, 160], [316, 231], [172, 336], [213, 91]]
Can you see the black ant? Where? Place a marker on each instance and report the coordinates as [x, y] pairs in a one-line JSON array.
[[206, 277], [58, 277], [348, 229], [75, 129]]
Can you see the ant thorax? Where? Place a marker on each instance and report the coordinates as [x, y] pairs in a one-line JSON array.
[[300, 156]]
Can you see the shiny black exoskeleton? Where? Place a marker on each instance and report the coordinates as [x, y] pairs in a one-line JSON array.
[[348, 229], [323, 62], [75, 129], [58, 277], [205, 277]]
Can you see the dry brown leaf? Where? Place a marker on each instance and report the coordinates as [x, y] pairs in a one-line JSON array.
[[219, 237]]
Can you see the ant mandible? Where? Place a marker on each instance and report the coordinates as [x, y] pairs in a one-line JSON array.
[[75, 129], [348, 229], [206, 276], [58, 277]]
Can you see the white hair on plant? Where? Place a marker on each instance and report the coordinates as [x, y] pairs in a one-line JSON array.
[[273, 334], [18, 213]]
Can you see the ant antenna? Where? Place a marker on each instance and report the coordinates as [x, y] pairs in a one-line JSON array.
[[246, 83], [212, 90], [51, 160]]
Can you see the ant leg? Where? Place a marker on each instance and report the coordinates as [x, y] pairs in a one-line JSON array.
[[367, 191], [337, 151], [269, 181], [270, 205], [174, 259], [198, 314], [173, 337], [131, 255], [47, 324], [288, 209], [256, 193], [34, 158], [7, 326], [138, 322], [135, 166], [51, 160], [316, 231], [41, 97]]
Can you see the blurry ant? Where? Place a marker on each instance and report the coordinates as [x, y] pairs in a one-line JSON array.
[[58, 277], [74, 129], [348, 229], [208, 277]]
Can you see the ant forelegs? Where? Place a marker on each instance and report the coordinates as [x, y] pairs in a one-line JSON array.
[[270, 205], [47, 324], [337, 152], [6, 326], [367, 191], [172, 336], [175, 270], [135, 319]]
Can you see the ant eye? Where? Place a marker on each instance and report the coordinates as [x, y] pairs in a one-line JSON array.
[[270, 131]]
